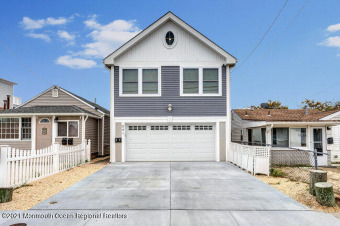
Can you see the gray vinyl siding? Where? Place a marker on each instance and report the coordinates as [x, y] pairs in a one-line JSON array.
[[19, 144], [76, 140], [158, 106], [62, 99], [91, 132], [107, 135]]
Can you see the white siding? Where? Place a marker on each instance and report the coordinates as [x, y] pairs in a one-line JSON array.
[[236, 127], [335, 147], [187, 49]]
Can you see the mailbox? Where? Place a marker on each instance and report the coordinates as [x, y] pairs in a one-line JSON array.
[[64, 141], [70, 141], [118, 140]]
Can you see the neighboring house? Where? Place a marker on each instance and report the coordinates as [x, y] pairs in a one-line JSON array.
[[53, 116], [7, 98], [284, 128], [170, 94]]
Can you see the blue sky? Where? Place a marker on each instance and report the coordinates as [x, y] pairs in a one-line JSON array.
[[64, 42]]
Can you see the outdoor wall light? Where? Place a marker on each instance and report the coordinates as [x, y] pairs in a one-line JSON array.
[[169, 107]]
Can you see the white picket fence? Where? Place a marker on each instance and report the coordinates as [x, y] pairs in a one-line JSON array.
[[18, 167], [254, 159]]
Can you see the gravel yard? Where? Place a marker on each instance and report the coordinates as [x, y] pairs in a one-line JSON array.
[[299, 190], [29, 195]]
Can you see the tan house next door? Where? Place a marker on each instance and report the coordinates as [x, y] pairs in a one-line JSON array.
[[44, 132]]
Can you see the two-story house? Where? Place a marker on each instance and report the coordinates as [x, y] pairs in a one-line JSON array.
[[170, 95], [7, 98]]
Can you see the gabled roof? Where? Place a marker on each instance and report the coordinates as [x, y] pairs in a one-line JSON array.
[[7, 82], [47, 110], [282, 115], [169, 16], [81, 99]]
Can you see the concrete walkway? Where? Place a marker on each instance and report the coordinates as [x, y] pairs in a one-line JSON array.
[[176, 193]]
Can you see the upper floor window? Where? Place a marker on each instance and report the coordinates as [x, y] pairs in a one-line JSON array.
[[201, 81], [140, 82]]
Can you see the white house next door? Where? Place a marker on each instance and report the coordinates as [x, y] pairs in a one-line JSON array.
[[319, 145], [170, 142]]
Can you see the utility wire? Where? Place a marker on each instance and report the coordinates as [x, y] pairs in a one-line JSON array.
[[22, 63], [262, 37], [279, 39]]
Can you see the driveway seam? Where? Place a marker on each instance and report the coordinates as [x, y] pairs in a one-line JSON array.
[[233, 218]]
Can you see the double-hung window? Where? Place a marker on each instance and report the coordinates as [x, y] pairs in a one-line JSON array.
[[9, 128], [26, 128], [201, 81], [68, 129], [140, 82], [281, 137], [298, 137]]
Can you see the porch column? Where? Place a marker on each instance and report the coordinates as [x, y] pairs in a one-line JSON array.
[[54, 130], [83, 127], [308, 138], [268, 135], [103, 129], [112, 117], [228, 123], [33, 132]]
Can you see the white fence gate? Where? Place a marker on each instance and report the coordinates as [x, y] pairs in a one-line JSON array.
[[254, 159], [18, 167]]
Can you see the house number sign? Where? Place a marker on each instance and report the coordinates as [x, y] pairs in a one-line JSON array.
[[44, 131]]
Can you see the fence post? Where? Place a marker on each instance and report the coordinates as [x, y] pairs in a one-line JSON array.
[[88, 150], [316, 159], [3, 166], [56, 148]]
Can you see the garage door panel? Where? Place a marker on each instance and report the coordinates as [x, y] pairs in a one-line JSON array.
[[177, 143]]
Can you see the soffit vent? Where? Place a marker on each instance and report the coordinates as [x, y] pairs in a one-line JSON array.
[[55, 93]]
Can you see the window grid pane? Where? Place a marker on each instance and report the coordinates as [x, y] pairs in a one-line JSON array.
[[210, 80], [62, 129], [26, 128], [130, 81], [9, 128]]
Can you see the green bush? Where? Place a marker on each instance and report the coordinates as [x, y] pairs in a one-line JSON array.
[[276, 173]]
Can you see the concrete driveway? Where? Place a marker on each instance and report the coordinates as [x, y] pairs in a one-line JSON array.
[[178, 193]]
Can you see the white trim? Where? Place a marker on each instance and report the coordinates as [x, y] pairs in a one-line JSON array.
[[124, 132], [53, 129], [140, 82], [70, 120], [103, 127], [329, 117], [217, 142], [112, 117], [304, 123], [166, 119], [33, 132], [110, 59], [228, 112], [200, 80]]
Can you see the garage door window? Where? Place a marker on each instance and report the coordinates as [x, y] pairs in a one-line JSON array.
[[181, 127], [137, 127], [203, 127], [159, 128]]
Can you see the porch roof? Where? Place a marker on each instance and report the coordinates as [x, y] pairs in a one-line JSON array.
[[68, 109], [284, 115]]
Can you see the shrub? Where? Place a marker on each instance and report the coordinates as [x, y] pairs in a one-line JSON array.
[[276, 173]]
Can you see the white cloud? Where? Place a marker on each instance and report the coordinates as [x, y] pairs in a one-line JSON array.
[[75, 63], [31, 24], [331, 42], [44, 37], [107, 38], [333, 28], [67, 36]]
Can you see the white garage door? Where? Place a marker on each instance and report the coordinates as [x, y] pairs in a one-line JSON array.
[[178, 142]]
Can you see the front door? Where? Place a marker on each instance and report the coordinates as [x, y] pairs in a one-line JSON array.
[[318, 145], [44, 132]]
